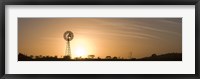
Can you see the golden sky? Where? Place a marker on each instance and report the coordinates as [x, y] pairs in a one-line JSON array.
[[100, 36]]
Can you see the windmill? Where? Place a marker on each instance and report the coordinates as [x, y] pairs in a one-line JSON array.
[[68, 36]]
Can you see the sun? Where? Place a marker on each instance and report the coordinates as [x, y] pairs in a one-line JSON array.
[[80, 51], [82, 47]]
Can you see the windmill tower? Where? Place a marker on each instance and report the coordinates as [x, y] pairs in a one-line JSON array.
[[68, 36]]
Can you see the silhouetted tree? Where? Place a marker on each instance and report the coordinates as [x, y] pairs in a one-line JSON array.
[[22, 57], [108, 57], [55, 57], [37, 57], [31, 56], [40, 56], [98, 58], [91, 56], [115, 57], [153, 55]]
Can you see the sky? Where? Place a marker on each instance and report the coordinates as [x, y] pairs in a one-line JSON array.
[[120, 37]]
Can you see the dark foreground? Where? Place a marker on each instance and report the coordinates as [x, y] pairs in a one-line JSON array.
[[153, 57]]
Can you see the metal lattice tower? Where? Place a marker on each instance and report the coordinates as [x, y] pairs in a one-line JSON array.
[[68, 49], [68, 36]]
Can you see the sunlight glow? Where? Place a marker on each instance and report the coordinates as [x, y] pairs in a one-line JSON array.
[[81, 47], [80, 51]]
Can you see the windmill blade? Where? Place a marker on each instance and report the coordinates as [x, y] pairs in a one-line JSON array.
[[68, 35]]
